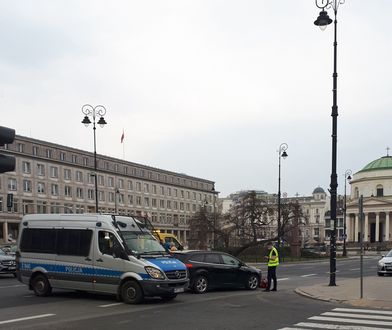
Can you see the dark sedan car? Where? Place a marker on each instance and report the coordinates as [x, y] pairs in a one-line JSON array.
[[212, 269]]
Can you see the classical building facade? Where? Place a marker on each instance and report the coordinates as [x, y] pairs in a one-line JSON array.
[[374, 183], [51, 178]]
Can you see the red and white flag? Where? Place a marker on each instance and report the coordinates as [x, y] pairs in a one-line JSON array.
[[122, 137]]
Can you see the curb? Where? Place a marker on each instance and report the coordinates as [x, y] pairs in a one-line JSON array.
[[383, 304]]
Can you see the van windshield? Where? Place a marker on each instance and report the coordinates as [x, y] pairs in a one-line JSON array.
[[140, 243]]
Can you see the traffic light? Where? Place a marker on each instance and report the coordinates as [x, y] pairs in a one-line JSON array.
[[7, 163]]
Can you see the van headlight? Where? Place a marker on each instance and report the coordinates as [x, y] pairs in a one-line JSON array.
[[154, 272]]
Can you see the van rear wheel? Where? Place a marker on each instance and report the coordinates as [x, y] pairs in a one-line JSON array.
[[41, 286], [131, 293]]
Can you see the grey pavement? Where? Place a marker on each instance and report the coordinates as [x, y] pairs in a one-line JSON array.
[[377, 292]]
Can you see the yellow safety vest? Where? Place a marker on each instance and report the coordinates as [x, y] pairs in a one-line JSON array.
[[272, 263]]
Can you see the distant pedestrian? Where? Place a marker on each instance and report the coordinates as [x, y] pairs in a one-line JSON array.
[[272, 263], [173, 247]]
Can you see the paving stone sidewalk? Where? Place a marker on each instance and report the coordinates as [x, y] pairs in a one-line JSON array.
[[377, 292]]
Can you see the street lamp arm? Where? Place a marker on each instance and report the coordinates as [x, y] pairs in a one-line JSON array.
[[327, 4], [89, 110]]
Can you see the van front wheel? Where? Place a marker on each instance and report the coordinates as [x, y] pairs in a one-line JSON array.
[[131, 293], [41, 286]]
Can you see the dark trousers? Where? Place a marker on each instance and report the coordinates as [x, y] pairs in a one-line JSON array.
[[272, 277]]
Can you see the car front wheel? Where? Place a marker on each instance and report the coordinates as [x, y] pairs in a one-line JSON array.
[[201, 284], [252, 283], [131, 293]]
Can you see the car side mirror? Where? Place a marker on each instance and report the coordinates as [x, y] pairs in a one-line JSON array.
[[383, 256], [180, 247]]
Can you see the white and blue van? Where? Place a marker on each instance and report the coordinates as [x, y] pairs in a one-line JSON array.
[[96, 252]]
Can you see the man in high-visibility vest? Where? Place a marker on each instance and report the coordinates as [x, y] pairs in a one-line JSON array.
[[272, 263]]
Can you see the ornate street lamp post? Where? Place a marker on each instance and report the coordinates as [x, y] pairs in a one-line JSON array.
[[322, 21], [282, 154], [90, 111], [347, 176]]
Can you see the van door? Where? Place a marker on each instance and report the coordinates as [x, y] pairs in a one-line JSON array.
[[108, 265], [74, 260]]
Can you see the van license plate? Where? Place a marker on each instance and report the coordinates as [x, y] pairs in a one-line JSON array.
[[178, 290]]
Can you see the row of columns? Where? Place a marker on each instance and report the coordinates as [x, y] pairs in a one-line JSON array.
[[354, 228]]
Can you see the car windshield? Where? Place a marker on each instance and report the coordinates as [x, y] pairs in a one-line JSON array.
[[140, 243], [389, 254]]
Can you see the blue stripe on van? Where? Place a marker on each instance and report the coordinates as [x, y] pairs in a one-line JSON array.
[[75, 270]]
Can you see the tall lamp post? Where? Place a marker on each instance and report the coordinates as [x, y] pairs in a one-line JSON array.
[[93, 112], [282, 154], [322, 21], [214, 205], [347, 176]]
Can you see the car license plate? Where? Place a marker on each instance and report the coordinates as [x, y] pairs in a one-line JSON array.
[[178, 290]]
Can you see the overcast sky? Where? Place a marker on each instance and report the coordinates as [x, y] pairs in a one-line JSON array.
[[208, 88]]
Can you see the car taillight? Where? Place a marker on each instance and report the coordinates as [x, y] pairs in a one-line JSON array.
[[188, 265]]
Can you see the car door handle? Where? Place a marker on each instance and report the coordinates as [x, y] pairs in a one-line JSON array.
[[99, 260], [88, 259]]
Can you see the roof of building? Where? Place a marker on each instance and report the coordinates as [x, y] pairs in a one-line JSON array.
[[383, 163], [319, 190]]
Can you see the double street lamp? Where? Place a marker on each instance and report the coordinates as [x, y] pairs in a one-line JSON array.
[[93, 112], [322, 21], [347, 176], [282, 154]]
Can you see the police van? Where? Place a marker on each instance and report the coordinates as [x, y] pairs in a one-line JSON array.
[[98, 253]]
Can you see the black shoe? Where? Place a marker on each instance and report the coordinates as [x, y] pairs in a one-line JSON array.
[[274, 289]]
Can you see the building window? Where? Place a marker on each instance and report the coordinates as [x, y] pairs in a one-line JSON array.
[[138, 200], [79, 193], [21, 147], [40, 169], [154, 202], [49, 153], [106, 165], [101, 196], [316, 231], [380, 191], [26, 167], [168, 191], [79, 176], [85, 161], [175, 192], [12, 184], [116, 167], [130, 185], [146, 201], [68, 191], [101, 180], [41, 188], [121, 183], [168, 204], [111, 197], [35, 150], [67, 174], [161, 203], [55, 190], [62, 156], [90, 194], [162, 190], [54, 172], [26, 185], [146, 188], [138, 186], [182, 194], [74, 159], [110, 181], [154, 189], [130, 199], [90, 178]]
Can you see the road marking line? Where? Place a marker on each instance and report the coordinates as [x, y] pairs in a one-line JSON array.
[[110, 305], [290, 328], [338, 327], [354, 321], [27, 318], [357, 310], [11, 286], [355, 268], [29, 296], [359, 316], [283, 279], [307, 275]]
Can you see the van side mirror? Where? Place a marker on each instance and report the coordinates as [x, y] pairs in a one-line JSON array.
[[118, 252]]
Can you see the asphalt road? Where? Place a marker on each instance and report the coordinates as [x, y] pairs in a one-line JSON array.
[[238, 309]]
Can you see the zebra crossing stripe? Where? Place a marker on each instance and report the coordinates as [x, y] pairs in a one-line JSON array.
[[359, 316], [335, 326], [354, 321], [357, 310]]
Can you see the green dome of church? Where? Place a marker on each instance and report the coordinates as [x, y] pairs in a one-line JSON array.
[[383, 163]]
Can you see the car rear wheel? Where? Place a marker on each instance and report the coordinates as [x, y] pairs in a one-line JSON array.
[[252, 283], [201, 284], [131, 293], [41, 286]]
